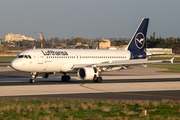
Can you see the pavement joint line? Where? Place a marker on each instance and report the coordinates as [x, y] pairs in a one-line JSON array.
[[82, 85]]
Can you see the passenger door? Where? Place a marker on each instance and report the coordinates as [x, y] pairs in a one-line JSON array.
[[40, 57]]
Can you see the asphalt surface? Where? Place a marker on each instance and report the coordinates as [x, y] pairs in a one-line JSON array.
[[25, 81], [143, 95], [148, 95]]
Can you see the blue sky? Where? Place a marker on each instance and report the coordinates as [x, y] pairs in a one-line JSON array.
[[89, 18]]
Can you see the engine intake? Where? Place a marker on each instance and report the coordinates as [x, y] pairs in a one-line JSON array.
[[87, 73]]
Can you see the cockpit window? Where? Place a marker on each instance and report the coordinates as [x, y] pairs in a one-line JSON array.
[[29, 56], [20, 56], [24, 56]]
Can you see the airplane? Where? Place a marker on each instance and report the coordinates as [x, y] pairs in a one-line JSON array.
[[87, 63]]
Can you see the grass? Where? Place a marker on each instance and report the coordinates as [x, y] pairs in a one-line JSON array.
[[172, 68], [88, 110], [164, 58], [6, 58]]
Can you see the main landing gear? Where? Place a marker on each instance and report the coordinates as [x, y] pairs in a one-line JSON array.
[[97, 80], [65, 78]]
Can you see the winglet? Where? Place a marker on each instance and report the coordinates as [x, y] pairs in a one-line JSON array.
[[172, 60]]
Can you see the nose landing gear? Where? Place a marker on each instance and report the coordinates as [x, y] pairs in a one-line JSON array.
[[31, 81], [33, 75]]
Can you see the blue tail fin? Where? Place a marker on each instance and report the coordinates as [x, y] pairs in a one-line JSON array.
[[137, 43]]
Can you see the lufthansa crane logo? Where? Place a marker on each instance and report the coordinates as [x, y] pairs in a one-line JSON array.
[[140, 40]]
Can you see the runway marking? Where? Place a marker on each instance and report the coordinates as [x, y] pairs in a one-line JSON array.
[[82, 85]]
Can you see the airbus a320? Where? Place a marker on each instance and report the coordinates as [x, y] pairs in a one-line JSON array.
[[87, 63]]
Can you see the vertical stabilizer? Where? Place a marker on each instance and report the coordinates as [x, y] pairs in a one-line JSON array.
[[137, 43]]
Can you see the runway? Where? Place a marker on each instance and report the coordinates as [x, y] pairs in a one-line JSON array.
[[136, 83]]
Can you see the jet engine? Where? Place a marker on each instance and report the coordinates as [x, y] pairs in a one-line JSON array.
[[88, 73]]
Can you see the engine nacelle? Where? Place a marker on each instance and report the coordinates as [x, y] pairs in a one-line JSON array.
[[42, 75], [88, 73]]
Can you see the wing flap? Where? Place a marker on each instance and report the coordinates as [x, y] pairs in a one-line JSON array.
[[118, 63], [129, 62]]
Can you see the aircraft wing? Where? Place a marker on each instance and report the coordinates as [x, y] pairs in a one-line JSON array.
[[129, 62], [119, 63]]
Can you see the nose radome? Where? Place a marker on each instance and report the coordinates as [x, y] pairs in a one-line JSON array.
[[15, 64]]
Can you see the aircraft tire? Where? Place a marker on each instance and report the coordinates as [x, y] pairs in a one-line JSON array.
[[32, 81], [68, 78], [95, 81], [99, 79], [63, 78]]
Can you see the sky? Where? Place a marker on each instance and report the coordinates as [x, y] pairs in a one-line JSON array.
[[88, 18]]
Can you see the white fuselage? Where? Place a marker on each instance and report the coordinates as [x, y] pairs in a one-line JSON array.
[[63, 60]]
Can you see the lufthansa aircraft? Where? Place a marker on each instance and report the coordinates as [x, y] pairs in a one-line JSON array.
[[87, 63]]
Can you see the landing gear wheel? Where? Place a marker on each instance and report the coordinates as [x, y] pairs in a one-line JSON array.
[[65, 78], [68, 78], [99, 79], [32, 81], [95, 81]]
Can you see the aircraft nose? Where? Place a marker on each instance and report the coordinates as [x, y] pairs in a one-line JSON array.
[[15, 64]]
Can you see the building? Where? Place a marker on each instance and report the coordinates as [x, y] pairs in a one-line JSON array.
[[16, 37], [159, 50], [81, 46], [100, 43], [104, 43]]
